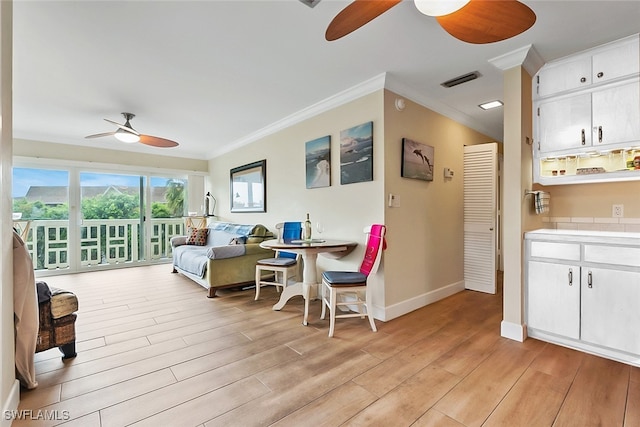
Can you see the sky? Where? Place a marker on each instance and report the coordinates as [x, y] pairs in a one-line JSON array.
[[23, 178]]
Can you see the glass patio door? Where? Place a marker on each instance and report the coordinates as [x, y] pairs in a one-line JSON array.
[[129, 219], [168, 205], [112, 219], [74, 219], [41, 215]]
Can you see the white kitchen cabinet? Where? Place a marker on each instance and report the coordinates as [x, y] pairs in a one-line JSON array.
[[583, 291], [611, 308], [564, 76], [616, 60], [610, 115], [587, 104], [595, 66], [616, 114], [553, 297], [564, 123]]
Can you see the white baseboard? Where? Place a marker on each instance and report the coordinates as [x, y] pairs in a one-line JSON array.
[[10, 404], [407, 306], [513, 331]]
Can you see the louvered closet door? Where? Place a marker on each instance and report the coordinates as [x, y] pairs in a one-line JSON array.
[[480, 175]]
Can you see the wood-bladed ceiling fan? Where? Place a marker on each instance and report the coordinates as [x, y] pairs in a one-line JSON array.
[[126, 133], [472, 21]]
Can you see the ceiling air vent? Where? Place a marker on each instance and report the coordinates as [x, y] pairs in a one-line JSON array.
[[461, 79], [310, 3]]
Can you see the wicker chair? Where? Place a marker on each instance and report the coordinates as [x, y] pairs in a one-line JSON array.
[[57, 323]]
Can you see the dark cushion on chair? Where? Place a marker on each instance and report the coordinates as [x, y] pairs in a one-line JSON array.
[[344, 278], [277, 262]]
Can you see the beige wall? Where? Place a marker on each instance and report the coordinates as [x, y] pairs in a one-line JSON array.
[[343, 209], [518, 216], [424, 236], [426, 232], [594, 200]]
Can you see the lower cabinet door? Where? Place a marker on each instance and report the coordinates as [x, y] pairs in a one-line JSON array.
[[553, 298], [610, 314]]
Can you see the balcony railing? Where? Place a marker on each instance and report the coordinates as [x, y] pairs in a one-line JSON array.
[[102, 242]]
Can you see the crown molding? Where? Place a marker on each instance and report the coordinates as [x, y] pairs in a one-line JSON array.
[[358, 91], [381, 81], [402, 89], [527, 57]]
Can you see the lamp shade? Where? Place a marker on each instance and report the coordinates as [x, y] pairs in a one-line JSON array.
[[439, 7], [125, 136]]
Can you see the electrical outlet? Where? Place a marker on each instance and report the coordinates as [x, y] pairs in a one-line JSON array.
[[617, 211]]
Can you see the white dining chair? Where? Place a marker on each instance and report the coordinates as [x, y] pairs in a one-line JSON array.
[[337, 284], [285, 265]]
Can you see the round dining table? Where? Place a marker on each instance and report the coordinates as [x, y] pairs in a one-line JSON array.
[[309, 250]]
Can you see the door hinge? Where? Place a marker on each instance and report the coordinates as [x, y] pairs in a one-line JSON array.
[[538, 111]]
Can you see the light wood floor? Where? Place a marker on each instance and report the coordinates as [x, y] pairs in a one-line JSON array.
[[153, 350]]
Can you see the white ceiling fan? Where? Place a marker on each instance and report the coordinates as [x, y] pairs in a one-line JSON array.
[[126, 133]]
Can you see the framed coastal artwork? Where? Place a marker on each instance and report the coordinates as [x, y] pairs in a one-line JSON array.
[[248, 187], [356, 154], [318, 162], [417, 160]]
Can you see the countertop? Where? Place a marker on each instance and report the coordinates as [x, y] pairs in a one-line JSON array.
[[584, 236]]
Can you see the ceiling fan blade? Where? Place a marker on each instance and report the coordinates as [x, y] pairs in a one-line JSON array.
[[100, 135], [356, 15], [155, 141], [123, 127], [488, 21]]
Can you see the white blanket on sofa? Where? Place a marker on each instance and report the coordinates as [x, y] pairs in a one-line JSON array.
[[193, 259]]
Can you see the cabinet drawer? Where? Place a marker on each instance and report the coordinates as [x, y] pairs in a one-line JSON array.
[[566, 251], [612, 255]]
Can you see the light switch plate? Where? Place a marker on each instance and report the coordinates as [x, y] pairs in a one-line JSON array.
[[394, 201]]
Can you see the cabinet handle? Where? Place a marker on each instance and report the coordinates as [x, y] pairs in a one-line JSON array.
[[583, 137], [583, 79], [599, 133], [600, 74], [590, 280], [570, 277]]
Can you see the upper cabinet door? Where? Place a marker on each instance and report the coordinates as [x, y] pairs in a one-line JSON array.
[[616, 114], [620, 61], [564, 76], [565, 123]]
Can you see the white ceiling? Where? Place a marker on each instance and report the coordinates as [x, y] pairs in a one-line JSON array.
[[213, 75]]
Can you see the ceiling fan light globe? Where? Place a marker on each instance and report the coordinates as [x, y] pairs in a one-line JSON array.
[[127, 137], [439, 7]]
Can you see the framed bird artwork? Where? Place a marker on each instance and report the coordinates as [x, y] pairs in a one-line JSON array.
[[417, 160]]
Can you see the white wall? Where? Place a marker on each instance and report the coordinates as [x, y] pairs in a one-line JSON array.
[[117, 158], [9, 389]]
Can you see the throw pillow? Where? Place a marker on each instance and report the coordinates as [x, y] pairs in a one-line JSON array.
[[197, 236]]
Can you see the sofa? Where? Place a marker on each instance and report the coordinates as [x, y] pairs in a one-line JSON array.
[[222, 255]]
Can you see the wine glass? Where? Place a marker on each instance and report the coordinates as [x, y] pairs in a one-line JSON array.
[[319, 227]]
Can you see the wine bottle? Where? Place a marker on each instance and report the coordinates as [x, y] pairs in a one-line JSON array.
[[307, 228]]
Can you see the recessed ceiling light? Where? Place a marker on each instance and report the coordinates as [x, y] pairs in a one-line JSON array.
[[491, 104]]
